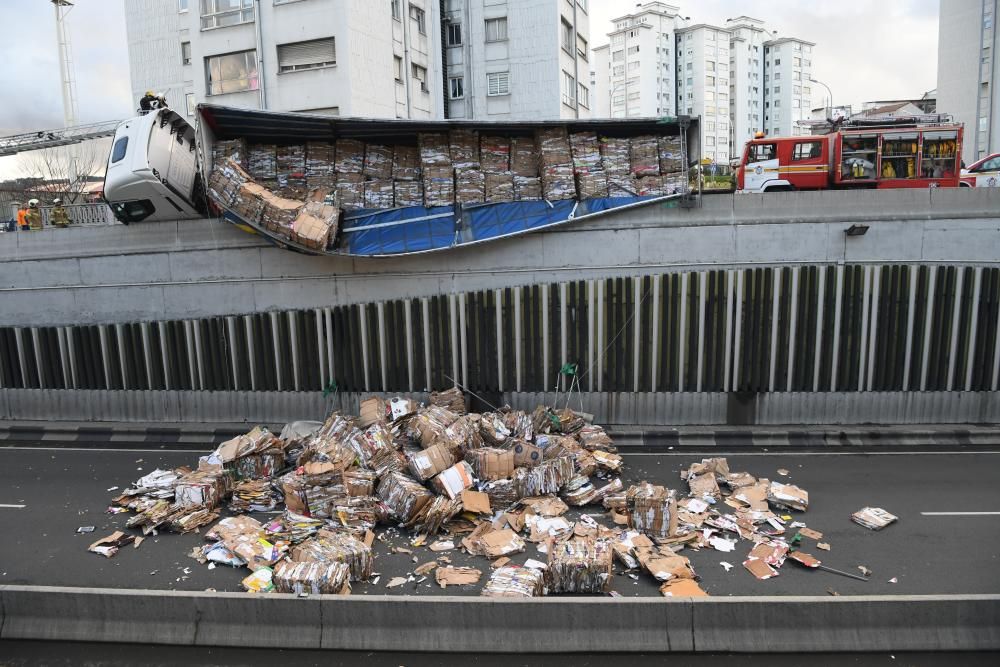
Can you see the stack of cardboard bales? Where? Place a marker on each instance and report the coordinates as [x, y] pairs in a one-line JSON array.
[[233, 149], [320, 162], [672, 167], [556, 164], [316, 225], [378, 176], [615, 160], [470, 183], [407, 189], [349, 167], [436, 169], [524, 166], [499, 179], [291, 171], [225, 181], [645, 158], [262, 164], [591, 180]]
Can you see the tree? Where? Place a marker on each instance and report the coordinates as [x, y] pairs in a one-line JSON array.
[[65, 171]]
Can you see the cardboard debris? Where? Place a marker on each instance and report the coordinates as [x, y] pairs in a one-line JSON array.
[[810, 533], [788, 495], [873, 518], [109, 546], [579, 565], [314, 578], [759, 568], [823, 545], [475, 501], [456, 576], [682, 588], [514, 582]]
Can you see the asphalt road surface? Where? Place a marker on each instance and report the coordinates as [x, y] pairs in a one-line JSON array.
[[46, 494]]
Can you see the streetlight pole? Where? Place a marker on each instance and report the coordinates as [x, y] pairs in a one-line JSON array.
[[830, 94]]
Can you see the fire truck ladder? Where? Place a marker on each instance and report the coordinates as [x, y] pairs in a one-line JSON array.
[[33, 141]]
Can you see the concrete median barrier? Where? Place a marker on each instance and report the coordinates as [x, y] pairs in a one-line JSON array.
[[555, 625]]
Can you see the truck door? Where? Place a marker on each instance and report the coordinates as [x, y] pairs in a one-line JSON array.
[[761, 166], [987, 174], [808, 167]]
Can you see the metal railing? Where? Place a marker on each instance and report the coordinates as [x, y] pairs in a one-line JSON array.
[[83, 214]]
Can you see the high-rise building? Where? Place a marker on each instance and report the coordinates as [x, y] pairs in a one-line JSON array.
[[517, 59], [968, 87], [335, 57], [658, 63]]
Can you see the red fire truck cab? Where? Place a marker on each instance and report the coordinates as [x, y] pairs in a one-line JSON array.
[[867, 157]]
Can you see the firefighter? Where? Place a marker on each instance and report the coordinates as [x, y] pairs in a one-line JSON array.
[[58, 216], [22, 220], [151, 101], [34, 216]]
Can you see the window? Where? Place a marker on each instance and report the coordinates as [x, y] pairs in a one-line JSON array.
[[182, 5], [396, 13], [568, 89], [709, 66], [709, 80], [796, 76], [222, 13], [777, 103], [583, 96], [456, 87], [796, 62], [420, 74], [567, 36], [189, 103], [806, 90], [777, 76], [709, 95], [777, 61], [709, 126], [633, 49], [797, 90], [795, 103], [710, 36], [185, 53], [312, 54], [231, 73], [634, 95], [762, 152], [807, 150], [690, 66], [690, 81], [618, 56], [498, 83], [618, 70], [496, 29], [581, 47], [618, 99], [634, 65], [418, 15], [777, 89], [710, 141], [454, 34], [118, 153]]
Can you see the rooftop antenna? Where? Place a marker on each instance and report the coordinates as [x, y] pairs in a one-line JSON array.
[[63, 7]]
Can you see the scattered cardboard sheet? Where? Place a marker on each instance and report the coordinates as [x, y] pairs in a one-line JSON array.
[[759, 568], [682, 588], [810, 533], [456, 576], [873, 518], [476, 501]]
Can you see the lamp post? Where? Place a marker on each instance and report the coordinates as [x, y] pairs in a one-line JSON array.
[[830, 95]]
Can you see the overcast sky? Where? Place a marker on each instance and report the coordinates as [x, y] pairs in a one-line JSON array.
[[865, 51]]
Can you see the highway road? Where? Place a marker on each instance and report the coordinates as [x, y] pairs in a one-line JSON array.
[[947, 539]]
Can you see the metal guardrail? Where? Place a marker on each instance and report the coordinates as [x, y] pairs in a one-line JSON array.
[[83, 214]]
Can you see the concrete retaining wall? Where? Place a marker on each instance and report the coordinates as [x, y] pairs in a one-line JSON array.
[[453, 624]]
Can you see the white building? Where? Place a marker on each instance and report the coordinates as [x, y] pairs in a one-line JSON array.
[[703, 85], [517, 59], [968, 87], [787, 85], [336, 57], [746, 79]]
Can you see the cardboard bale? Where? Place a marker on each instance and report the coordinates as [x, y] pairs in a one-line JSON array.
[[526, 454], [645, 155], [586, 152], [669, 153], [262, 162], [650, 186], [440, 511], [435, 150], [229, 149], [405, 163], [206, 488], [615, 153], [593, 437], [404, 496], [439, 185], [873, 518], [320, 165], [291, 170], [378, 194], [336, 547], [256, 466], [350, 190], [579, 565], [408, 193], [314, 578], [470, 186], [502, 493], [524, 156], [350, 154], [527, 188], [592, 184], [454, 480], [557, 182], [514, 582], [429, 462], [316, 225], [652, 510], [622, 185], [499, 187], [494, 153], [451, 399], [788, 496], [226, 179], [464, 149], [279, 213], [676, 183], [553, 147], [248, 202], [548, 477], [491, 463], [378, 162]]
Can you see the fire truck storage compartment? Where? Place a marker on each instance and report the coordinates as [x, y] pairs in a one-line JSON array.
[[858, 157], [938, 153], [899, 155]]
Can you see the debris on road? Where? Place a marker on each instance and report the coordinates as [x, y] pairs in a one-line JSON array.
[[109, 546], [86, 529], [457, 576], [873, 518]]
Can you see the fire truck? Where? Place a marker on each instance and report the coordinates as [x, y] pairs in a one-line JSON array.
[[878, 156]]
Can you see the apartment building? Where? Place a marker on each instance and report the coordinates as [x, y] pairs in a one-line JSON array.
[[517, 59], [747, 37], [335, 57], [968, 87], [787, 85], [703, 85]]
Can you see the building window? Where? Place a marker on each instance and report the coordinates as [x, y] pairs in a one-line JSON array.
[[709, 66], [777, 89], [777, 61], [709, 126], [583, 96], [618, 56], [454, 34], [231, 73], [418, 15], [189, 103], [618, 70], [709, 96], [396, 13], [567, 36], [456, 87], [185, 53], [182, 5], [618, 99], [634, 95], [710, 141], [634, 65], [581, 47], [397, 62], [777, 76], [222, 13], [796, 76], [420, 74], [568, 89], [709, 80], [312, 54], [497, 83], [690, 66], [633, 49], [496, 29]]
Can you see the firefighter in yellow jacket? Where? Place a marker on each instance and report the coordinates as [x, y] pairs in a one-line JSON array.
[[58, 215], [34, 216]]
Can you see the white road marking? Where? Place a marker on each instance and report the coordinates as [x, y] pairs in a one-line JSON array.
[[960, 513], [13, 507]]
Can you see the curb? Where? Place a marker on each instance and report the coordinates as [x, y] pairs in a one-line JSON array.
[[459, 624]]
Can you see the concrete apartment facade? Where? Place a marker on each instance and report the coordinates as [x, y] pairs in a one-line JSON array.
[[967, 85], [722, 73], [333, 57], [517, 59]]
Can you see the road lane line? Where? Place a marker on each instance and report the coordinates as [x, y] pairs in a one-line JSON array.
[[960, 513], [13, 507]]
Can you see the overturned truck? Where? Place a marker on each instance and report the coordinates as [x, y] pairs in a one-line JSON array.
[[328, 185]]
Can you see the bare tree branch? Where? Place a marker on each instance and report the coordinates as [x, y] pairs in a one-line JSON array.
[[66, 171]]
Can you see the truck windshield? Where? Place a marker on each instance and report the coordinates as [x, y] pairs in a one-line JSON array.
[[762, 152]]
